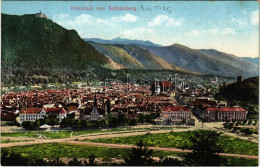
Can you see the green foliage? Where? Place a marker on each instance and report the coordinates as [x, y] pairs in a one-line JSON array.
[[91, 160], [28, 125], [75, 162], [139, 156], [181, 140], [13, 159], [133, 121], [41, 47], [122, 119], [204, 148], [112, 121]]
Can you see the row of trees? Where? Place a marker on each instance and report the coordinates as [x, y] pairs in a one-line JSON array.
[[234, 126], [205, 152], [16, 159], [50, 120], [111, 121]]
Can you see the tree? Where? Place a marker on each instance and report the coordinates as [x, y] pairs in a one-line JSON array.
[[139, 156], [75, 162], [38, 162], [168, 162], [141, 118], [36, 124], [133, 121], [52, 120], [77, 124], [103, 123], [108, 107], [28, 125], [249, 122], [91, 160], [205, 149], [112, 121], [14, 159], [56, 162], [122, 119], [248, 131], [64, 123]]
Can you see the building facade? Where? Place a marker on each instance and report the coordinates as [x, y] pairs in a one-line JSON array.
[[211, 114], [174, 116], [33, 114]]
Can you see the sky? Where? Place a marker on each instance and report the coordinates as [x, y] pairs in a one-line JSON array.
[[231, 27]]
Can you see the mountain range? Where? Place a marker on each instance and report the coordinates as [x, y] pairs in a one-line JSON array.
[[122, 41], [33, 47], [253, 60], [179, 57]]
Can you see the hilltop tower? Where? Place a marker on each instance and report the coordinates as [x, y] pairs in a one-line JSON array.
[[41, 15]]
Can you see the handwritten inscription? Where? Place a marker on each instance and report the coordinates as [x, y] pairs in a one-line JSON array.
[[157, 7]]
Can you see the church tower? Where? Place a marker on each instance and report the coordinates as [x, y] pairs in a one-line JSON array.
[[94, 115]]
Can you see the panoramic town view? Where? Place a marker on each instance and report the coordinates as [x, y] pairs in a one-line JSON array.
[[137, 83]]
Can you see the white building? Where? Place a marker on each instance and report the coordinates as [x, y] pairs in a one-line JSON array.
[[33, 114], [174, 115]]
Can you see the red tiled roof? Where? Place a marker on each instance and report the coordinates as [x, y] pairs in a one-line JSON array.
[[211, 109], [32, 110], [166, 84], [55, 110], [226, 109], [176, 109]]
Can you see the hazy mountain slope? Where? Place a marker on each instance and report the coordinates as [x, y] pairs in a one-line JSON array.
[[253, 60], [121, 41], [149, 60], [134, 57], [205, 62], [118, 55]]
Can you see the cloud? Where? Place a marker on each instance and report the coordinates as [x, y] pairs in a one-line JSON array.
[[255, 17], [165, 20], [198, 33], [228, 31], [60, 16], [85, 19], [129, 18], [241, 22]]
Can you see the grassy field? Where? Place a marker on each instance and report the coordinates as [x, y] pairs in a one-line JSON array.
[[65, 134], [73, 150], [79, 151], [180, 140], [13, 141]]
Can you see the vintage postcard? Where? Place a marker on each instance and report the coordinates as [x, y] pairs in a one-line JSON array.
[[129, 83]]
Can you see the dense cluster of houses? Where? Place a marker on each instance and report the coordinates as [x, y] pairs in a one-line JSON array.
[[97, 103]]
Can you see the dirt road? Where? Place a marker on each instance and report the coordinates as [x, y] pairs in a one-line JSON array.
[[155, 148], [90, 136], [112, 135]]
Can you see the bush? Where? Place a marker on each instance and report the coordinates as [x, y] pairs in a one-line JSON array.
[[248, 131], [133, 122]]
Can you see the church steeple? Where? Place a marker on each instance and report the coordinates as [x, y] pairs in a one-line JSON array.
[[95, 100]]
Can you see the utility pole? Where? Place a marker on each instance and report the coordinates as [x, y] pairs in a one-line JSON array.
[[175, 82], [127, 78]]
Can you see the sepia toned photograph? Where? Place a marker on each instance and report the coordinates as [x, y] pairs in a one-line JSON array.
[[129, 83]]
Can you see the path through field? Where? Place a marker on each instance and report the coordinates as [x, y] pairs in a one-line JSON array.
[[93, 136]]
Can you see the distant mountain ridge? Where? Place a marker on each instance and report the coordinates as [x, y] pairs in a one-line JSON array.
[[253, 60], [122, 41], [205, 61], [135, 57]]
